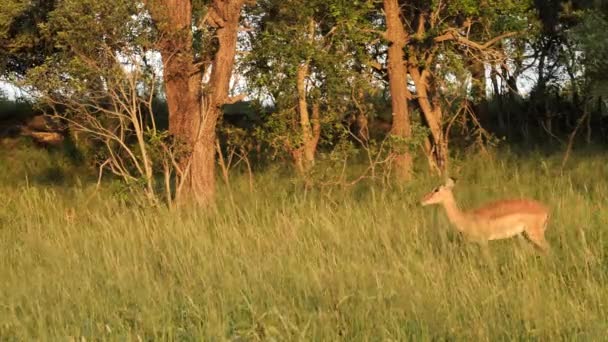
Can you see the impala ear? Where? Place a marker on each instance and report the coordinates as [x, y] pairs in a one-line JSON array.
[[449, 183]]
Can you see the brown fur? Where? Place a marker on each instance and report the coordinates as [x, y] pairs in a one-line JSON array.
[[510, 206], [493, 221]]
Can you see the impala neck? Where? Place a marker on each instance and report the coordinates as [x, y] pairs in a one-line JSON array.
[[455, 215]]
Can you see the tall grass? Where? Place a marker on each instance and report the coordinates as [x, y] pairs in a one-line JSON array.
[[284, 264]]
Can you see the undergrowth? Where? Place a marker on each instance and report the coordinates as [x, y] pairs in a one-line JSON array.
[[287, 264]]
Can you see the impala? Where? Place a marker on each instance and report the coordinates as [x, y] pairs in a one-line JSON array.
[[494, 221]]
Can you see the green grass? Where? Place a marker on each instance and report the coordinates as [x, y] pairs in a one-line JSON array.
[[285, 264]]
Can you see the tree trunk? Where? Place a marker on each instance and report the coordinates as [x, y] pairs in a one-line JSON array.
[[431, 109], [311, 129], [302, 73], [316, 129], [363, 127], [542, 107], [397, 74], [304, 157], [361, 119], [504, 125], [225, 17], [478, 90], [478, 81], [181, 78], [192, 120], [182, 82]]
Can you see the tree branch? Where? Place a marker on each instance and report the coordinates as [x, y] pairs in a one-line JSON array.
[[453, 35], [420, 31], [382, 34], [435, 14], [376, 65]]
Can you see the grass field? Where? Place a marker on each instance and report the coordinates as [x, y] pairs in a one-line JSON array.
[[283, 264]]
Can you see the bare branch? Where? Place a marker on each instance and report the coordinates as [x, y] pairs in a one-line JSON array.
[[376, 65], [435, 14], [421, 25], [380, 33], [453, 35]]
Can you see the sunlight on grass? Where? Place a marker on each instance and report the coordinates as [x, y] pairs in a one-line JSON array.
[[287, 265]]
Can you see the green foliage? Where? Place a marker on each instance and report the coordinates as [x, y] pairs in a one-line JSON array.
[[463, 7], [90, 37], [510, 15], [100, 82], [591, 37], [83, 51], [400, 145], [22, 44], [25, 164], [283, 41]]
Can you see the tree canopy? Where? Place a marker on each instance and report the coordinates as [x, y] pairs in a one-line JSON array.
[[399, 80]]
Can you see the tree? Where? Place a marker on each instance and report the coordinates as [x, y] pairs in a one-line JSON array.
[[91, 37], [302, 57], [588, 68], [437, 38], [397, 72], [98, 81], [195, 102], [22, 43]]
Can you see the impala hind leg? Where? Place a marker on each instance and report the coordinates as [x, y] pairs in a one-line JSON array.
[[524, 243], [485, 250], [542, 244]]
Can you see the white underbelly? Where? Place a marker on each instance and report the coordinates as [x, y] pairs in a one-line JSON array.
[[506, 231]]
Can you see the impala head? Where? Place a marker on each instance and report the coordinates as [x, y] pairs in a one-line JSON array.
[[439, 194]]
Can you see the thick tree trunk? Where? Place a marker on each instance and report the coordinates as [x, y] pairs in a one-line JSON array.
[[397, 73], [182, 82], [192, 120], [181, 77], [225, 17]]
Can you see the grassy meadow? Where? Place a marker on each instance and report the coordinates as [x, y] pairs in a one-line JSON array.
[[283, 264]]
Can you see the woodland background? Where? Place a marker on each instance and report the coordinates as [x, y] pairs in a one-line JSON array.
[[234, 169]]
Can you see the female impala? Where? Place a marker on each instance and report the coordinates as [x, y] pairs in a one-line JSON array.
[[496, 220]]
